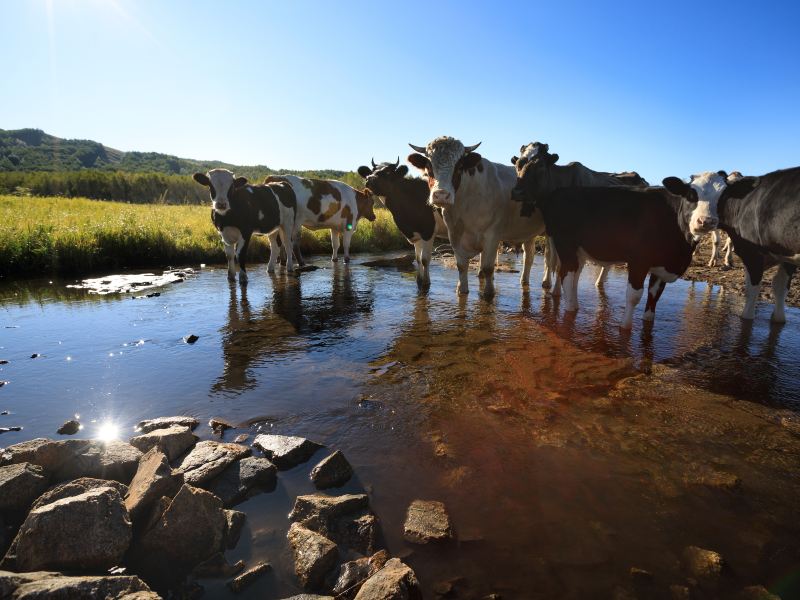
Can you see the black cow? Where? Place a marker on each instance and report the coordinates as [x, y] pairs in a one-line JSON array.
[[239, 210], [407, 200]]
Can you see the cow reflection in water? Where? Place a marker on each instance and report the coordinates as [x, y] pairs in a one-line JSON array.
[[300, 308]]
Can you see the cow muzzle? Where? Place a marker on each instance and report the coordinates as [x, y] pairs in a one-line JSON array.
[[518, 194], [221, 207], [705, 224], [441, 198]]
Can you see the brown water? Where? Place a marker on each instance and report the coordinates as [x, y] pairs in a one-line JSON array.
[[566, 451]]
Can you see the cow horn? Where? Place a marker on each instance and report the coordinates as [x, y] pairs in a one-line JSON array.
[[469, 149], [419, 149], [397, 164], [373, 162]]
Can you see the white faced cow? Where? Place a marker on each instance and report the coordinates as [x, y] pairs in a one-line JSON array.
[[716, 235], [239, 210], [475, 197]]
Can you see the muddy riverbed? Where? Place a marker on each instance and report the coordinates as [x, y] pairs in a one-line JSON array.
[[567, 451]]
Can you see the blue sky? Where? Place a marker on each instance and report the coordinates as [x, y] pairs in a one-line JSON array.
[[665, 88]]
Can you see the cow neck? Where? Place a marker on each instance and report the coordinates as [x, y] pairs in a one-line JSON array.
[[676, 205], [406, 192]]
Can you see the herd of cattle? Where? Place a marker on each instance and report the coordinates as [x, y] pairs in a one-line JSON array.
[[476, 204]]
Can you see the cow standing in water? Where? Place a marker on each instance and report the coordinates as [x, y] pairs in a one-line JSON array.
[[328, 204], [407, 200], [240, 210]]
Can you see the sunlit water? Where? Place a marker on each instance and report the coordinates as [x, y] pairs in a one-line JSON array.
[[566, 450]]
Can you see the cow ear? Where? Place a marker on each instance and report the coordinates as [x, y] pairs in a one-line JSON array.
[[364, 171], [742, 187], [239, 182], [419, 161], [722, 174], [514, 160], [553, 158], [676, 186], [471, 160], [402, 170], [202, 179]]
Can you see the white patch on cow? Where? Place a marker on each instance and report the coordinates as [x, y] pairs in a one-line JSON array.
[[709, 187], [632, 298], [663, 274], [260, 216], [415, 237], [751, 295], [530, 151], [221, 181]]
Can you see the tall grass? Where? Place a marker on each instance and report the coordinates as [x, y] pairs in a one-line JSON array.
[[74, 236]]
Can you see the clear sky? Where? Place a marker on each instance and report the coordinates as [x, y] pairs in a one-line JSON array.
[[664, 88]]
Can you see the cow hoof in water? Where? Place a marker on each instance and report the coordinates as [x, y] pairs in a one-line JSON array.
[[347, 259], [546, 285], [778, 319], [462, 291], [648, 316], [231, 277]]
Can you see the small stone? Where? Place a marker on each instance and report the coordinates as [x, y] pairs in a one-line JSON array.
[[172, 441], [332, 471], [3, 382], [234, 523], [35, 355], [70, 427], [286, 451], [7, 429], [20, 485], [395, 581], [217, 566], [640, 575], [208, 459], [318, 511], [314, 555], [241, 438], [149, 425], [219, 426], [191, 339], [703, 565], [248, 577], [3, 362], [427, 521]]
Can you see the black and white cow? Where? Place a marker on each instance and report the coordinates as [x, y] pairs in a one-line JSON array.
[[239, 210], [717, 234], [407, 200], [650, 229], [762, 217]]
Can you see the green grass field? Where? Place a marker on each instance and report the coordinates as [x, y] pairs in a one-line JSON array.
[[76, 236]]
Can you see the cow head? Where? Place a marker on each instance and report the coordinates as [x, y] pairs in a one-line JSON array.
[[221, 184], [380, 178], [443, 161], [530, 152], [703, 193], [365, 204], [533, 179]]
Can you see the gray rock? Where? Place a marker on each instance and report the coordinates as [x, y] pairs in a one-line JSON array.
[[77, 487], [153, 480], [172, 441], [247, 578], [314, 555], [241, 438], [703, 565], [353, 574], [43, 452], [103, 460], [427, 521], [286, 451], [219, 425], [234, 522], [161, 422], [70, 427], [242, 478], [41, 585], [395, 581], [344, 519], [332, 471], [208, 459], [89, 531], [20, 485]]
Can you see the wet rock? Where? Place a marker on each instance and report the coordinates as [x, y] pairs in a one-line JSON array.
[[703, 565], [241, 479], [155, 513], [43, 452], [344, 519], [190, 530], [757, 592], [286, 451], [427, 521], [219, 426], [217, 566], [4, 382], [395, 581], [103, 460], [161, 422], [35, 355], [191, 339], [3, 362], [7, 429], [45, 584], [20, 485], [154, 479], [208, 459], [70, 427], [241, 438], [234, 522], [640, 576], [359, 533], [314, 555], [172, 441], [332, 471], [77, 487], [353, 574], [247, 578], [89, 531]]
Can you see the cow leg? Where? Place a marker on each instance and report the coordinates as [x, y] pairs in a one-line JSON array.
[[753, 272], [288, 243], [636, 278], [274, 251], [654, 291], [241, 256], [347, 235], [550, 256], [462, 262], [714, 248], [601, 277], [427, 250], [528, 252], [230, 237], [418, 258], [488, 262], [780, 287], [335, 245], [568, 271], [726, 250]]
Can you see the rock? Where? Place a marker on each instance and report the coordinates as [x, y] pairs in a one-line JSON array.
[[354, 573], [161, 422], [332, 471], [234, 522], [359, 533], [248, 577], [103, 460], [314, 555], [20, 485], [88, 531], [35, 355], [243, 477], [704, 476], [219, 426], [155, 513], [7, 429], [190, 530], [395, 581], [241, 438], [757, 592], [679, 592], [45, 584], [286, 451], [43, 452], [3, 362], [427, 521], [153, 480], [701, 564], [344, 519], [172, 441], [70, 427], [208, 459], [191, 339], [640, 575], [77, 487], [217, 566]]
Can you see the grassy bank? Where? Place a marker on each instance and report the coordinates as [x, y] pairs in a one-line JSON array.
[[74, 236]]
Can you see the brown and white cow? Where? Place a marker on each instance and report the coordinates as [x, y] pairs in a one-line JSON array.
[[475, 197], [240, 210], [328, 204]]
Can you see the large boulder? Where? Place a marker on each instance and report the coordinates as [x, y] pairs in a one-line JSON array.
[[43, 452], [243, 478], [149, 425], [345, 519], [153, 480], [172, 441], [88, 531], [332, 471], [208, 459], [76, 487], [427, 521], [284, 450], [41, 585], [395, 581], [20, 485], [353, 574], [314, 555], [103, 460]]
